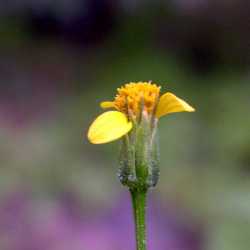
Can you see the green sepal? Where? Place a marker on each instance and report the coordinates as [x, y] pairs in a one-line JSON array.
[[139, 156], [126, 172]]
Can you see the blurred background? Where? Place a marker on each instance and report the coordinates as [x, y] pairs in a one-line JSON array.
[[59, 59]]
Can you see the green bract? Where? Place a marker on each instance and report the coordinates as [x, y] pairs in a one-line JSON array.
[[139, 156]]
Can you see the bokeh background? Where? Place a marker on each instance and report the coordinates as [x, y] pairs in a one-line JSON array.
[[59, 59]]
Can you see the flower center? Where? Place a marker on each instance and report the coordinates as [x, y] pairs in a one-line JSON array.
[[133, 97]]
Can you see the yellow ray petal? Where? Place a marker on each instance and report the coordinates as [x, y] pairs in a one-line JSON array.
[[169, 103], [106, 105], [108, 127]]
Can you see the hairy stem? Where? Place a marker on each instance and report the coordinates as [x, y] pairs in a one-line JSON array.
[[139, 207]]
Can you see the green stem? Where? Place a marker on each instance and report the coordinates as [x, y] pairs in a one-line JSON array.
[[139, 208]]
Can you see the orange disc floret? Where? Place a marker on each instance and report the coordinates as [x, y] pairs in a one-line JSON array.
[[132, 96]]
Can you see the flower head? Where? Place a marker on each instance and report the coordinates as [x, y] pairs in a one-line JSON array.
[[138, 108], [132, 96], [133, 101]]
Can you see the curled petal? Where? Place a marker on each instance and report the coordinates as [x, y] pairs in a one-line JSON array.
[[106, 105], [169, 103], [108, 127]]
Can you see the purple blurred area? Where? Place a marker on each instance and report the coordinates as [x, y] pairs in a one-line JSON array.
[[28, 225]]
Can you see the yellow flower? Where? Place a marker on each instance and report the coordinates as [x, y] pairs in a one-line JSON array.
[[131, 102]]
